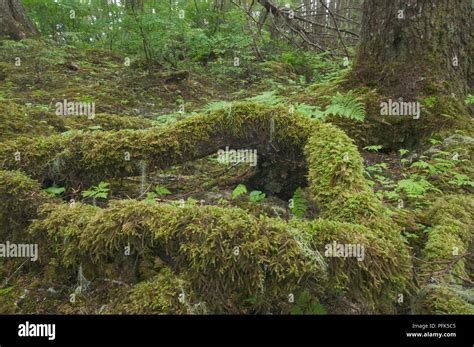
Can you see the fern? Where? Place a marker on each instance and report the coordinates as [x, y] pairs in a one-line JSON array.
[[101, 191], [160, 190], [415, 187], [55, 190], [216, 105], [469, 99], [239, 190], [267, 98], [298, 203], [256, 196], [309, 111], [374, 148], [306, 304], [347, 106]]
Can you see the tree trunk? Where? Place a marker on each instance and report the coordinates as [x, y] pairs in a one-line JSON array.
[[14, 22], [411, 46], [419, 52]]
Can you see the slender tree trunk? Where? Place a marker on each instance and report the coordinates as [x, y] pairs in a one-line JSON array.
[[13, 20]]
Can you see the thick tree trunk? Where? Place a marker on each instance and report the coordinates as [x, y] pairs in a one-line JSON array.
[[411, 46], [414, 51], [14, 22]]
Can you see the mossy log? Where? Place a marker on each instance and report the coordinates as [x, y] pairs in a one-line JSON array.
[[91, 157], [201, 243], [446, 255], [198, 242]]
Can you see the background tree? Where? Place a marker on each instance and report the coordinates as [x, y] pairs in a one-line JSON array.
[[412, 45], [419, 51], [14, 21]]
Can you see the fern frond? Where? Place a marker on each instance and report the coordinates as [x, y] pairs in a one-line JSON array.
[[347, 106]]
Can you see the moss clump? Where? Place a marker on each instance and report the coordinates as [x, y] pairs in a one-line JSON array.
[[336, 178], [434, 299], [452, 221], [17, 120], [165, 293], [20, 120], [443, 257], [92, 157], [226, 252], [20, 199], [375, 279], [106, 122]]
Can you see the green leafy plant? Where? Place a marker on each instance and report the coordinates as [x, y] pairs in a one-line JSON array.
[[309, 110], [434, 141], [298, 204], [159, 191], [403, 152], [239, 190], [347, 106], [6, 290], [373, 148], [305, 304], [469, 99], [256, 196], [55, 190], [268, 98], [430, 101], [217, 105], [415, 187], [461, 180], [100, 191]]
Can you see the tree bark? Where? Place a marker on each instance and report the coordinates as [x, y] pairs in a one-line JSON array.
[[14, 22], [411, 46], [414, 51]]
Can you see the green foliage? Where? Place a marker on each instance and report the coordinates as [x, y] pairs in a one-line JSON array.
[[374, 148], [298, 204], [309, 110], [256, 196], [430, 101], [415, 187], [55, 190], [217, 105], [462, 180], [238, 191], [159, 191], [469, 99], [100, 191], [305, 304], [403, 152], [6, 290], [347, 106], [267, 98]]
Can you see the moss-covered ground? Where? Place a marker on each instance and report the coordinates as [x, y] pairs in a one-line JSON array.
[[133, 212]]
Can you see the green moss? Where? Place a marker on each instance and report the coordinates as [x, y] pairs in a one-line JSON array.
[[20, 199], [436, 299], [200, 241], [91, 157], [443, 258], [165, 293], [377, 278]]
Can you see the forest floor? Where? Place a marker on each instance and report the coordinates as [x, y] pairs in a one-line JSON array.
[[408, 182]]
